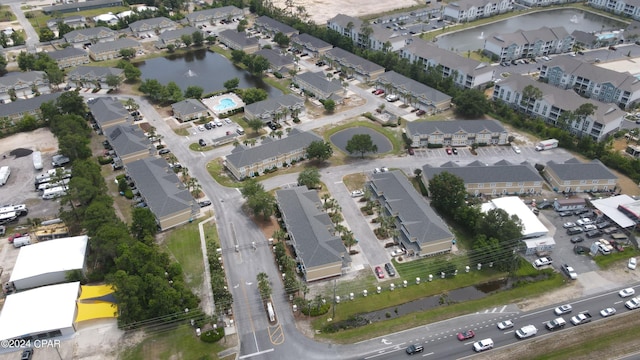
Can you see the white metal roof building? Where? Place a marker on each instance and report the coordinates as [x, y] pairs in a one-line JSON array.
[[622, 209], [40, 313], [48, 262], [513, 205]]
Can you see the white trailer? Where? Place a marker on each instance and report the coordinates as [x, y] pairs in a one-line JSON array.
[[53, 193], [8, 217], [22, 241], [20, 209], [37, 160], [50, 185], [4, 174], [547, 144]]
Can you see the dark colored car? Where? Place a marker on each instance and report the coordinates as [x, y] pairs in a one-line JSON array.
[[414, 349], [580, 211], [455, 151], [576, 239], [544, 205], [411, 152], [420, 112], [204, 203], [27, 354], [202, 143], [164, 151], [207, 126], [565, 213], [389, 269], [603, 225], [594, 233]]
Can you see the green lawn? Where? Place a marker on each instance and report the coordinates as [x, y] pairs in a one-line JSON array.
[[604, 261], [6, 14], [39, 19], [180, 343], [184, 245]]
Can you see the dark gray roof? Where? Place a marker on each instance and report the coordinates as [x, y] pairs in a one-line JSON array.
[[276, 59], [453, 126], [239, 38], [188, 106], [66, 53], [573, 169], [428, 50], [416, 217], [160, 186], [274, 25], [418, 89], [28, 105], [177, 33], [14, 78], [81, 5], [66, 20], [319, 81], [94, 72], [106, 110], [89, 33], [242, 156], [478, 173], [115, 45], [150, 24], [584, 37], [127, 139], [522, 37], [273, 104], [309, 227], [311, 41], [354, 60], [221, 12]]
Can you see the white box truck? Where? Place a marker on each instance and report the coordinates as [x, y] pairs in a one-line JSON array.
[[37, 160], [55, 192], [5, 171], [546, 145]]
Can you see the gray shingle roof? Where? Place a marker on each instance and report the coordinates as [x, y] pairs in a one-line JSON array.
[[81, 5], [106, 110], [239, 38], [13, 78], [28, 105], [451, 127], [148, 24], [573, 169], [319, 81], [564, 99], [276, 59], [274, 25], [523, 37], [273, 104], [467, 4], [115, 45], [127, 139], [221, 12], [188, 106], [419, 220], [93, 72], [66, 53], [177, 33], [356, 61], [573, 66], [310, 227], [89, 33], [160, 186], [242, 156], [478, 173], [310, 41], [343, 21], [450, 59], [418, 89]]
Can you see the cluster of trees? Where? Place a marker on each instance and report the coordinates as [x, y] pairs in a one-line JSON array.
[[496, 234], [291, 283], [15, 36], [319, 150], [148, 284], [259, 200], [171, 93], [255, 64], [131, 73], [219, 286], [3, 65], [196, 39], [41, 62]]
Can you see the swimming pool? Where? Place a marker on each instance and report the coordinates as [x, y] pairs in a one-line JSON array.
[[606, 36], [225, 104]]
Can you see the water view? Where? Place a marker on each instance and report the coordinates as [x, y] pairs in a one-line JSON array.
[[570, 19], [200, 68]]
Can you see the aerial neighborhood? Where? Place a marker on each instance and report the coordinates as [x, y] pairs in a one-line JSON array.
[[451, 177]]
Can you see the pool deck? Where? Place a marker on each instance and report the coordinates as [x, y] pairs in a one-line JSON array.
[[214, 101]]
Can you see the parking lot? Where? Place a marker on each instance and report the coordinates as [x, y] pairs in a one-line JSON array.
[[506, 152]]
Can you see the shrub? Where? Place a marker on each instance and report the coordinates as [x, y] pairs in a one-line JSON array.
[[315, 310], [212, 335], [104, 160], [278, 75], [128, 194], [296, 119], [434, 146], [159, 147], [369, 116]]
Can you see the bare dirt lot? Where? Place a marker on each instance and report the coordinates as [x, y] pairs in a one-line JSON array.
[[322, 10]]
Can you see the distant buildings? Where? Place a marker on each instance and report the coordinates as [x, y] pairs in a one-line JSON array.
[[214, 16], [150, 27], [318, 85], [111, 50], [365, 35], [414, 93], [469, 10], [174, 37], [16, 110], [239, 41], [89, 36], [275, 108], [269, 26], [92, 76], [576, 176], [108, 111], [362, 69], [628, 8], [23, 85], [456, 133], [129, 142], [529, 44], [311, 45], [81, 6], [69, 57]]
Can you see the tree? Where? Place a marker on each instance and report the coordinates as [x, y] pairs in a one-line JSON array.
[[471, 103], [186, 39], [262, 203], [242, 25], [251, 187], [54, 75], [264, 287], [349, 239], [231, 84], [46, 34], [320, 150], [153, 88], [361, 143], [3, 65], [252, 95], [198, 38], [255, 124], [256, 64], [193, 92], [127, 53], [26, 61], [113, 81], [498, 224], [143, 225], [237, 56], [329, 105], [447, 192], [132, 73], [530, 94], [173, 92], [70, 102], [309, 177], [281, 39]]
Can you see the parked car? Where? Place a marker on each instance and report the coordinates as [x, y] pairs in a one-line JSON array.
[[544, 205], [201, 128], [516, 149], [568, 225], [378, 92], [449, 151], [204, 203], [466, 335], [565, 213], [455, 151], [580, 212], [389, 269], [413, 349], [164, 151], [589, 227], [420, 112], [626, 292], [507, 324], [207, 126], [576, 239], [543, 261], [571, 273], [632, 263], [357, 193], [379, 272], [410, 151], [563, 309], [594, 233], [202, 143]]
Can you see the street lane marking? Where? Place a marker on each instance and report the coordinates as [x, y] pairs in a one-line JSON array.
[[427, 354], [255, 354]]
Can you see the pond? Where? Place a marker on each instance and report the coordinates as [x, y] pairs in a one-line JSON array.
[[202, 68], [570, 19], [341, 138]]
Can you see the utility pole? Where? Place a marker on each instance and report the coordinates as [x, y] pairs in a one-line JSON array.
[[334, 299]]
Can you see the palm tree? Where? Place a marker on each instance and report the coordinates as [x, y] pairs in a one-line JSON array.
[[279, 134], [252, 142], [279, 235], [349, 240], [326, 197], [132, 104]]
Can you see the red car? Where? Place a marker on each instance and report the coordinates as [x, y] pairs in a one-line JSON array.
[[465, 335], [16, 235], [379, 272], [449, 152], [420, 112], [378, 92], [411, 152]]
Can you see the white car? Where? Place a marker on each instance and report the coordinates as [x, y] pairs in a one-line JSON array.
[[632, 304], [607, 312], [357, 193], [483, 345], [507, 324], [626, 292], [515, 148], [568, 225], [632, 263], [589, 227], [201, 128], [563, 309], [543, 262], [583, 221]]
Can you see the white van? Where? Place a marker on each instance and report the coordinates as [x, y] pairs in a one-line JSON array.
[[54, 192], [526, 331], [22, 241], [217, 122]]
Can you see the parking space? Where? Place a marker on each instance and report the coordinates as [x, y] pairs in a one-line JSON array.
[[505, 152], [214, 130]]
